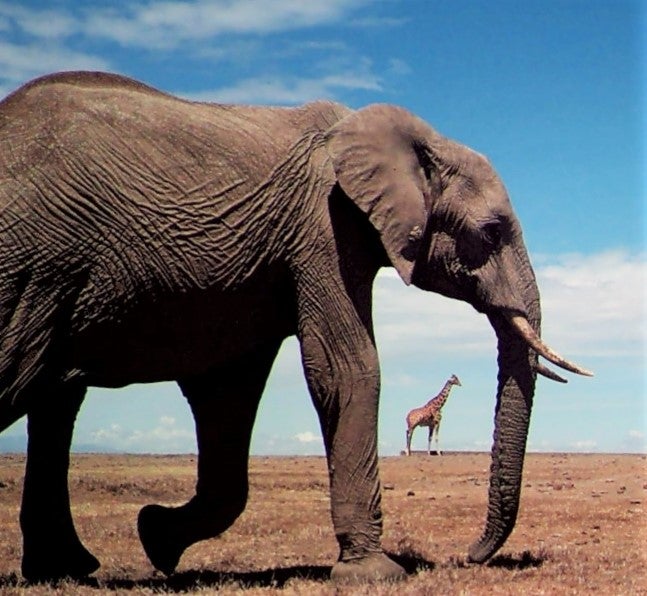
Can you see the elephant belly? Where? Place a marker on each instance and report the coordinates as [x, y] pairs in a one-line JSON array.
[[179, 337]]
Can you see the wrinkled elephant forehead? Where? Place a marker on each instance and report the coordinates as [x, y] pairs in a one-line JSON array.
[[476, 199]]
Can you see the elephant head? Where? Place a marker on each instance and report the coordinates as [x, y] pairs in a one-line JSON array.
[[447, 225]]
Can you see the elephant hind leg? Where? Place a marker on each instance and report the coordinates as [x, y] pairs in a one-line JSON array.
[[29, 323], [51, 547], [24, 337], [10, 413], [224, 404]]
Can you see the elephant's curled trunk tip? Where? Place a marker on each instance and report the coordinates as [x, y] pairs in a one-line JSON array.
[[479, 553], [484, 548]]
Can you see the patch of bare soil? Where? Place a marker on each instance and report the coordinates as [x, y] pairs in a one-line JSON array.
[[581, 528]]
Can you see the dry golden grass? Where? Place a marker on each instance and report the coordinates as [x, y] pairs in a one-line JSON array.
[[581, 527]]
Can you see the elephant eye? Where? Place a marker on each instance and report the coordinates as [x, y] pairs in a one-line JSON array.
[[492, 234]]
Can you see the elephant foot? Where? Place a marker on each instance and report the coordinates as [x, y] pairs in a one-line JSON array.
[[162, 547], [52, 564], [375, 567], [166, 532]]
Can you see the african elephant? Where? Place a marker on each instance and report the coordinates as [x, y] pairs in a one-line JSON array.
[[146, 238]]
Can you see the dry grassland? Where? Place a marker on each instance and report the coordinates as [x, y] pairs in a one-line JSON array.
[[582, 527]]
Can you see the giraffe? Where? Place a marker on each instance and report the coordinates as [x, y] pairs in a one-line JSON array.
[[430, 415]]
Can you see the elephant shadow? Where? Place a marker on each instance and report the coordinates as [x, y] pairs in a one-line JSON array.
[[511, 562], [269, 578], [525, 560], [189, 580]]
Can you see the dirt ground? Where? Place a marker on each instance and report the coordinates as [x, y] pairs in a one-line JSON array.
[[582, 527]]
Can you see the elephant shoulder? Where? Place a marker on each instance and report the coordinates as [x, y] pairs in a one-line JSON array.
[[322, 114]]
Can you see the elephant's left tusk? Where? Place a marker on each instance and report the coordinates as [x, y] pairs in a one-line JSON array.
[[522, 326], [544, 371]]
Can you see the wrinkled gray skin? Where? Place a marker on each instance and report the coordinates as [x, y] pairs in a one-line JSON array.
[[145, 238]]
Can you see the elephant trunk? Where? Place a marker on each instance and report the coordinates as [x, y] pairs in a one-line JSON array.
[[516, 385]]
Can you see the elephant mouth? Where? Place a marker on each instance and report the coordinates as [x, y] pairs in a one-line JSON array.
[[522, 327]]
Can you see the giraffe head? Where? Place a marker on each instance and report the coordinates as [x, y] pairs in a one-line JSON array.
[[454, 380]]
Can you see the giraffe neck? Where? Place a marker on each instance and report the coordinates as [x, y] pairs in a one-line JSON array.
[[441, 398]]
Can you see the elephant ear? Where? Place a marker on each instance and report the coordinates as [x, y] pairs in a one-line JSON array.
[[382, 161]]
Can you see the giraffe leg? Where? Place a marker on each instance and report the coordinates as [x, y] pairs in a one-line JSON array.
[[224, 404], [409, 433], [438, 451], [51, 546], [431, 432]]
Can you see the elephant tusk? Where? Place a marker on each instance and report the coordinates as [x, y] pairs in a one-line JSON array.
[[522, 326], [544, 371]]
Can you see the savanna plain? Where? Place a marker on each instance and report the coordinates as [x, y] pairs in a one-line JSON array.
[[581, 529]]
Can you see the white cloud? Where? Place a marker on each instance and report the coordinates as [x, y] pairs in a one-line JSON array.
[[43, 24], [408, 320], [594, 304], [379, 22], [34, 44], [636, 440], [20, 62], [399, 67], [401, 380], [324, 46], [303, 443], [289, 90], [308, 437], [166, 437], [585, 445], [591, 305], [107, 435], [167, 24], [44, 38], [335, 74]]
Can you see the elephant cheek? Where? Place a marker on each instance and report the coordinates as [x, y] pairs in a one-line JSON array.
[[501, 285]]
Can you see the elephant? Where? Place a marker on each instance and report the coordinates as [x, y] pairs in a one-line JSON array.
[[147, 238]]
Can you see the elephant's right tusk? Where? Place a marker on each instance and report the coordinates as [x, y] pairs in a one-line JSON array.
[[544, 371], [522, 326]]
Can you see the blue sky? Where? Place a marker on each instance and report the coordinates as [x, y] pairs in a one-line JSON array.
[[553, 92]]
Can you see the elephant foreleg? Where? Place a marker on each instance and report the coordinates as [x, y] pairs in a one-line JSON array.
[[51, 547], [224, 404], [349, 427], [346, 399]]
